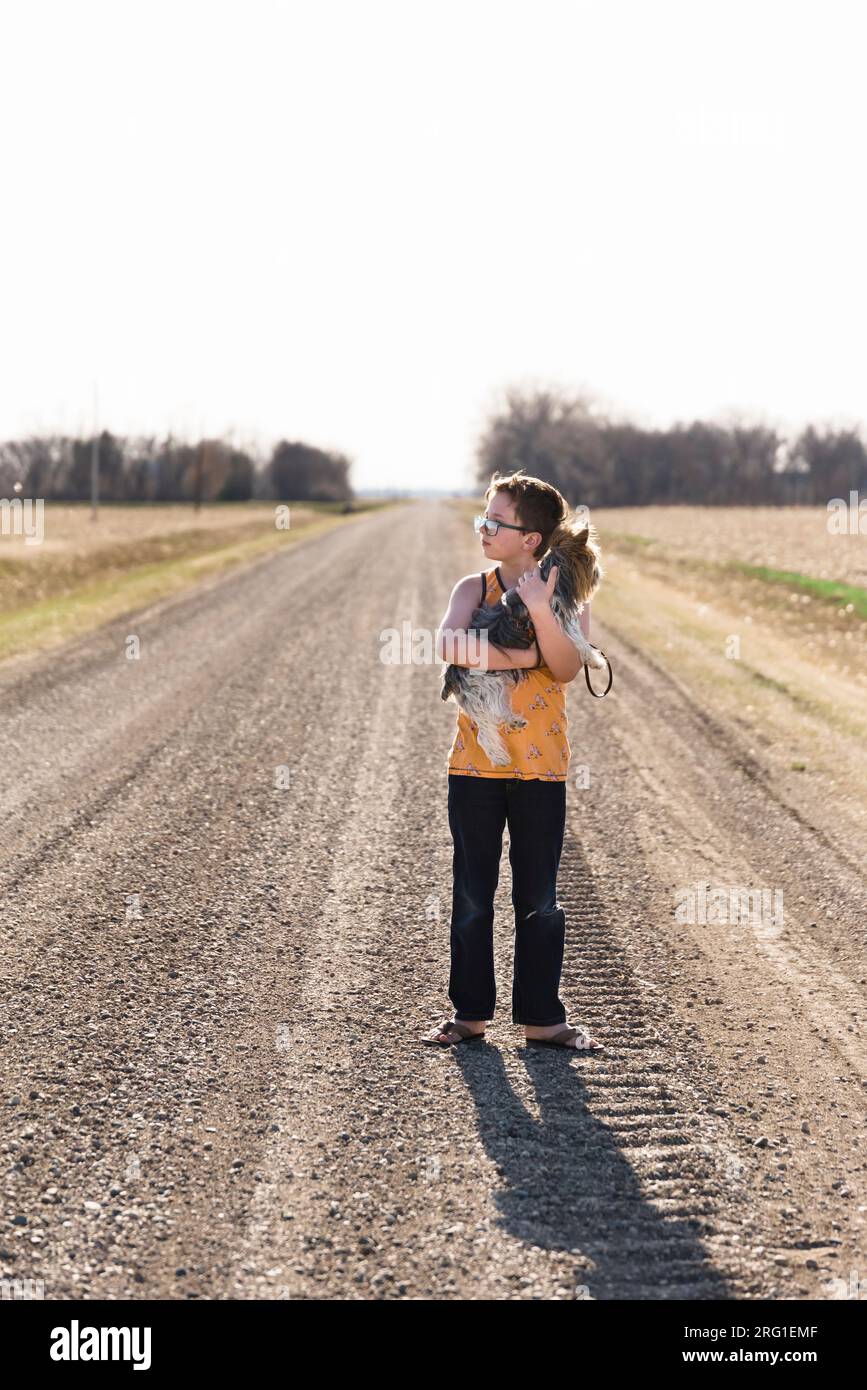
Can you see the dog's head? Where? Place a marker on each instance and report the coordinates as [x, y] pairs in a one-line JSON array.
[[575, 551]]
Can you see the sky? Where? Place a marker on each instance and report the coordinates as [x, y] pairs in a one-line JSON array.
[[358, 223]]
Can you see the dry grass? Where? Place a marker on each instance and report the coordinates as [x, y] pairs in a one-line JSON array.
[[805, 589], [794, 539], [69, 529], [743, 609]]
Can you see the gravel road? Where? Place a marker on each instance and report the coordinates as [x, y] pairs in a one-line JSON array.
[[225, 883]]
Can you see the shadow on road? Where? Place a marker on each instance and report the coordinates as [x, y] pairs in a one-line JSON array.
[[570, 1186]]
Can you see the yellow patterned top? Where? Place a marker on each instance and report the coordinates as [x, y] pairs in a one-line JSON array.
[[541, 750]]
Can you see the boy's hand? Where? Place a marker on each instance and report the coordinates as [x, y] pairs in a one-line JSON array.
[[534, 592]]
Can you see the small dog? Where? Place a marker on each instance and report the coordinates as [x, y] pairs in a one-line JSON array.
[[485, 696]]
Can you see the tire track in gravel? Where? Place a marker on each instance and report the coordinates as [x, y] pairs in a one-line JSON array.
[[327, 1096]]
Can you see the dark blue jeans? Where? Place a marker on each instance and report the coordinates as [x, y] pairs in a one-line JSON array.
[[479, 808]]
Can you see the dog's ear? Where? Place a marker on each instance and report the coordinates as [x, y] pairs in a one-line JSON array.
[[583, 536]]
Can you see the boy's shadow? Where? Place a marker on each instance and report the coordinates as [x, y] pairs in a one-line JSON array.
[[570, 1186]]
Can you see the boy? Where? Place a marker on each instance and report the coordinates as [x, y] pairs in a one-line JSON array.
[[529, 793]]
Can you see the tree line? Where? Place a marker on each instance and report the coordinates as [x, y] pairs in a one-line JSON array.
[[58, 468], [605, 462], [590, 456]]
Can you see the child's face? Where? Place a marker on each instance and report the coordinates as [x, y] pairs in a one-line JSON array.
[[506, 545]]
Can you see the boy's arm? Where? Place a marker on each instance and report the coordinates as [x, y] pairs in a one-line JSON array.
[[559, 652], [457, 647]]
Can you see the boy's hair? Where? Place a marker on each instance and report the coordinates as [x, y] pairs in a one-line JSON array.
[[538, 505]]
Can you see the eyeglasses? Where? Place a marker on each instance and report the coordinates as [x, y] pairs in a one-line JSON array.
[[491, 527]]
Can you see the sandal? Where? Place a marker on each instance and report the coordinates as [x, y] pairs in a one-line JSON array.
[[452, 1025], [566, 1037]]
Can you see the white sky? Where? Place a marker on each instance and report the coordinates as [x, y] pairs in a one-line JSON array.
[[355, 223]]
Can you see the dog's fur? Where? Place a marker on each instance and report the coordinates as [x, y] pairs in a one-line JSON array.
[[485, 696]]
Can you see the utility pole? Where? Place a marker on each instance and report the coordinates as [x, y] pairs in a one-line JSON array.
[[200, 468], [94, 460]]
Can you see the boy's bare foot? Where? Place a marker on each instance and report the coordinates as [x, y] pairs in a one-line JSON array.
[[582, 1040]]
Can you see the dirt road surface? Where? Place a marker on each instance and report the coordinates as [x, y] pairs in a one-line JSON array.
[[225, 885]]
